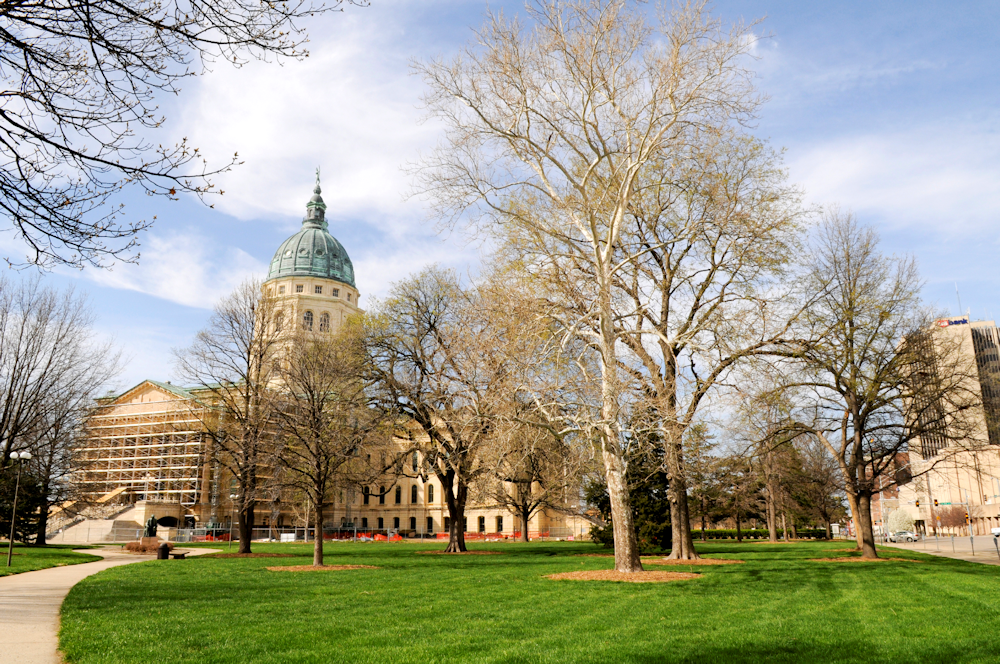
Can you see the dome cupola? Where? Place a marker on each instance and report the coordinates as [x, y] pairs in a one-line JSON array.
[[313, 252]]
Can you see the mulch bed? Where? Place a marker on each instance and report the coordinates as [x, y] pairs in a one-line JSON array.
[[318, 568], [665, 561], [462, 553], [699, 561], [859, 559], [628, 577], [251, 555]]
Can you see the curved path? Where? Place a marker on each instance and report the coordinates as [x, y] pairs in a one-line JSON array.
[[30, 601]]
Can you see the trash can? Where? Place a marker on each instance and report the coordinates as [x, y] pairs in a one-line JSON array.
[[163, 553]]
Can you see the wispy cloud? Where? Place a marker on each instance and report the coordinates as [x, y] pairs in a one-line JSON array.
[[186, 268], [939, 178], [351, 107]]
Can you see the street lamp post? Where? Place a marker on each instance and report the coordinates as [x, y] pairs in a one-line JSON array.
[[17, 457]]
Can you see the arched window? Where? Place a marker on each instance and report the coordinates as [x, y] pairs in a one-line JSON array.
[[430, 493], [430, 524], [381, 524], [324, 322], [365, 493], [395, 523], [381, 496], [307, 320], [399, 495], [413, 493], [413, 523], [415, 462], [279, 318]]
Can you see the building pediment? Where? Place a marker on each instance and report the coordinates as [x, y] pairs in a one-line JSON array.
[[147, 391]]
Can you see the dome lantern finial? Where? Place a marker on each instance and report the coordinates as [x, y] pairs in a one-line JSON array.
[[316, 208]]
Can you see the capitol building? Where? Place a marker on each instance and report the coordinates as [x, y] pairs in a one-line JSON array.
[[146, 452]]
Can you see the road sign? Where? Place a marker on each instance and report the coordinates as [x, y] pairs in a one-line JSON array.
[[944, 503]]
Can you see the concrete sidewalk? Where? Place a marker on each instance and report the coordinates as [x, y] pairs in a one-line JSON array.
[[30, 601]]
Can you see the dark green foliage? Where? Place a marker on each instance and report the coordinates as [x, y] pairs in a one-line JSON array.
[[650, 508], [30, 499], [759, 533]]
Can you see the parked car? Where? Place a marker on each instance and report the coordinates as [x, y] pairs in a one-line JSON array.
[[904, 536]]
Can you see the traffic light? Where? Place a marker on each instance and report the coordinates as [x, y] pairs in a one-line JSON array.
[[966, 518], [918, 504], [935, 502]]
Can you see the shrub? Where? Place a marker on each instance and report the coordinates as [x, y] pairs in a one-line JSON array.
[[137, 547]]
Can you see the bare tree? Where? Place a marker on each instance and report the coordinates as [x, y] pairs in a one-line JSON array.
[[598, 146], [50, 368], [234, 363], [761, 422], [330, 435], [534, 468], [442, 368], [47, 357], [821, 484], [877, 379], [82, 83]]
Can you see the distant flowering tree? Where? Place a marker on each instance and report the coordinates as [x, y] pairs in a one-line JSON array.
[[899, 520]]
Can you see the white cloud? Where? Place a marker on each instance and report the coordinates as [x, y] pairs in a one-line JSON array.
[[377, 271], [183, 269], [351, 108], [937, 178]]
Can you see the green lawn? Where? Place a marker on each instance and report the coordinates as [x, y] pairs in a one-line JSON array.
[[28, 558], [777, 607]]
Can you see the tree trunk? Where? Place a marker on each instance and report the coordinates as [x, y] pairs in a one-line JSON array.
[[622, 523], [680, 514], [525, 515], [852, 503], [246, 526], [703, 520], [865, 528], [318, 540], [772, 518], [784, 528], [43, 518], [739, 533], [456, 511], [795, 531], [829, 530]]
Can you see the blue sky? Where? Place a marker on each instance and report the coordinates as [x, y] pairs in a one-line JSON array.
[[888, 109]]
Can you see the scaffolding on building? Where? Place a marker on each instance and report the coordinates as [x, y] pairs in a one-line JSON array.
[[153, 451]]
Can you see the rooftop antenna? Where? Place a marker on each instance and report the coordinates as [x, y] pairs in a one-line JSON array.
[[959, 299]]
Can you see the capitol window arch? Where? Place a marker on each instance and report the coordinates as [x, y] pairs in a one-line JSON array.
[[307, 320], [324, 322]]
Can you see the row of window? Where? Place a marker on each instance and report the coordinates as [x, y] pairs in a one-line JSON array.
[[366, 494], [395, 523], [481, 525], [380, 523], [307, 321], [318, 290]]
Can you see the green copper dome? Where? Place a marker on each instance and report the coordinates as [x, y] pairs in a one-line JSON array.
[[313, 252]]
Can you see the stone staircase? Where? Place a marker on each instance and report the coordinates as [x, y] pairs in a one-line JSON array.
[[99, 530]]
